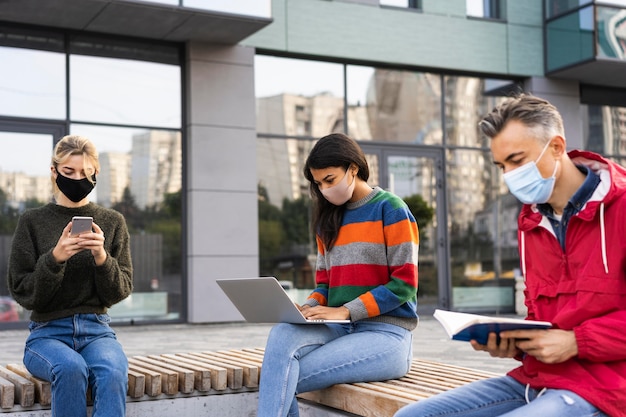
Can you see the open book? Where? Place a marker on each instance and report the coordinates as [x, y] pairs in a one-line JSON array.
[[465, 326]]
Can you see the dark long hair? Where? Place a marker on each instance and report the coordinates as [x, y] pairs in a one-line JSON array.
[[334, 150]]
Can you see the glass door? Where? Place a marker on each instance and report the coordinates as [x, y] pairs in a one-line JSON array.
[[24, 183], [416, 176]]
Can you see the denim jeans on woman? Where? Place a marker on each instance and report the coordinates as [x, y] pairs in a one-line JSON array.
[[74, 352], [501, 397], [306, 357]]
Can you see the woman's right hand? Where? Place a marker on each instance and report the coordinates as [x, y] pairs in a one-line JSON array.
[[67, 246]]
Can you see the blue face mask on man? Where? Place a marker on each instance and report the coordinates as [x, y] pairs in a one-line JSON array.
[[527, 184]]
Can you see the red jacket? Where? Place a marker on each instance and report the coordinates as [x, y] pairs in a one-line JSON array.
[[582, 289]]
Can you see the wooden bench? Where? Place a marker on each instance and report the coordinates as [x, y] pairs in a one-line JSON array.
[[201, 375]]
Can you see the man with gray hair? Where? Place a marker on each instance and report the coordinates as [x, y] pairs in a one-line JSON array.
[[572, 247]]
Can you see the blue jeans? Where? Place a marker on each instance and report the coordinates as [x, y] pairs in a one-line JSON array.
[[307, 357], [503, 397], [73, 353]]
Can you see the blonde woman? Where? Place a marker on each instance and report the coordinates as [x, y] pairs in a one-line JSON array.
[[68, 281]]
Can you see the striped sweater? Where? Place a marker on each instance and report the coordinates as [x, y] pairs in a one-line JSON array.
[[372, 269]]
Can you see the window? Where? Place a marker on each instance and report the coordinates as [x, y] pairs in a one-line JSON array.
[[121, 91], [467, 99], [487, 9], [135, 127], [409, 4], [296, 97], [390, 105], [33, 84], [401, 118]]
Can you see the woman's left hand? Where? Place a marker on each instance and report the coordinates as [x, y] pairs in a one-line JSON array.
[[328, 313], [94, 241]]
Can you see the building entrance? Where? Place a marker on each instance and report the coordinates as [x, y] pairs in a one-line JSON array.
[[416, 175]]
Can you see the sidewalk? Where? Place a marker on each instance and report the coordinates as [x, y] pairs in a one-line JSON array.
[[430, 342]]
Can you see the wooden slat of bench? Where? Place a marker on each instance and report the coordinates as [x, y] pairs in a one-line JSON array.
[[357, 399], [424, 388], [383, 399], [256, 354], [136, 384], [169, 379], [24, 389], [7, 393], [250, 369], [391, 388], [186, 377], [250, 373], [234, 374], [201, 375], [152, 379], [251, 357], [219, 374], [443, 368], [43, 395]]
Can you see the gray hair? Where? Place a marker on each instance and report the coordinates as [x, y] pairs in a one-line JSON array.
[[538, 114]]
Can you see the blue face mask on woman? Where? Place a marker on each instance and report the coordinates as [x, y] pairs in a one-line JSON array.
[[527, 184]]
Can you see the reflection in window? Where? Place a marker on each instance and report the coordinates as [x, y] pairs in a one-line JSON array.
[[286, 245], [141, 172], [409, 4], [141, 177], [32, 83], [604, 129], [488, 9], [297, 97], [24, 183], [108, 90], [394, 106], [467, 100], [557, 7], [483, 233], [611, 23]]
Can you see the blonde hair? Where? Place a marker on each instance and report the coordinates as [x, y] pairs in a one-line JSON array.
[[74, 145]]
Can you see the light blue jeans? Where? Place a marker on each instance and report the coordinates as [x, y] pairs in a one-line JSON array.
[[73, 353], [307, 357], [502, 397]]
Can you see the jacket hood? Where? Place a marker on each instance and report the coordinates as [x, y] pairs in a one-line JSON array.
[[612, 185], [597, 163]]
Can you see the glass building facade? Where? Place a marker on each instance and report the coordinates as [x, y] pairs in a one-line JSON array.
[[203, 129]]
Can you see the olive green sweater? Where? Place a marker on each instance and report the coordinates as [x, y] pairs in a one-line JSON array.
[[54, 290]]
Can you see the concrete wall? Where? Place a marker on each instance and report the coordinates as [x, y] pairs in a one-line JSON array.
[[222, 238], [219, 405]]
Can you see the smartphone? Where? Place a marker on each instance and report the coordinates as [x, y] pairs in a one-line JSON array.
[[81, 224]]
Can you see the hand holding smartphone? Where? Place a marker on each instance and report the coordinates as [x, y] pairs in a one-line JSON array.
[[81, 224]]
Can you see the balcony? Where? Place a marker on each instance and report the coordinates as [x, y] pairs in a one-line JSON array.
[[168, 20], [588, 44]]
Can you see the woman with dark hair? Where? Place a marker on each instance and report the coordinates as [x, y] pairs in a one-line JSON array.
[[366, 272]]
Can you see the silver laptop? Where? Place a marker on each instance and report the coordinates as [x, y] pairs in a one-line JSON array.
[[263, 300]]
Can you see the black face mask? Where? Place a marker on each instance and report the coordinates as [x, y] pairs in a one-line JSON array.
[[75, 190]]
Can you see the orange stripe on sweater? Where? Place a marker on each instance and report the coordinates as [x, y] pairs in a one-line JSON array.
[[401, 232], [361, 232], [319, 298], [370, 304]]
